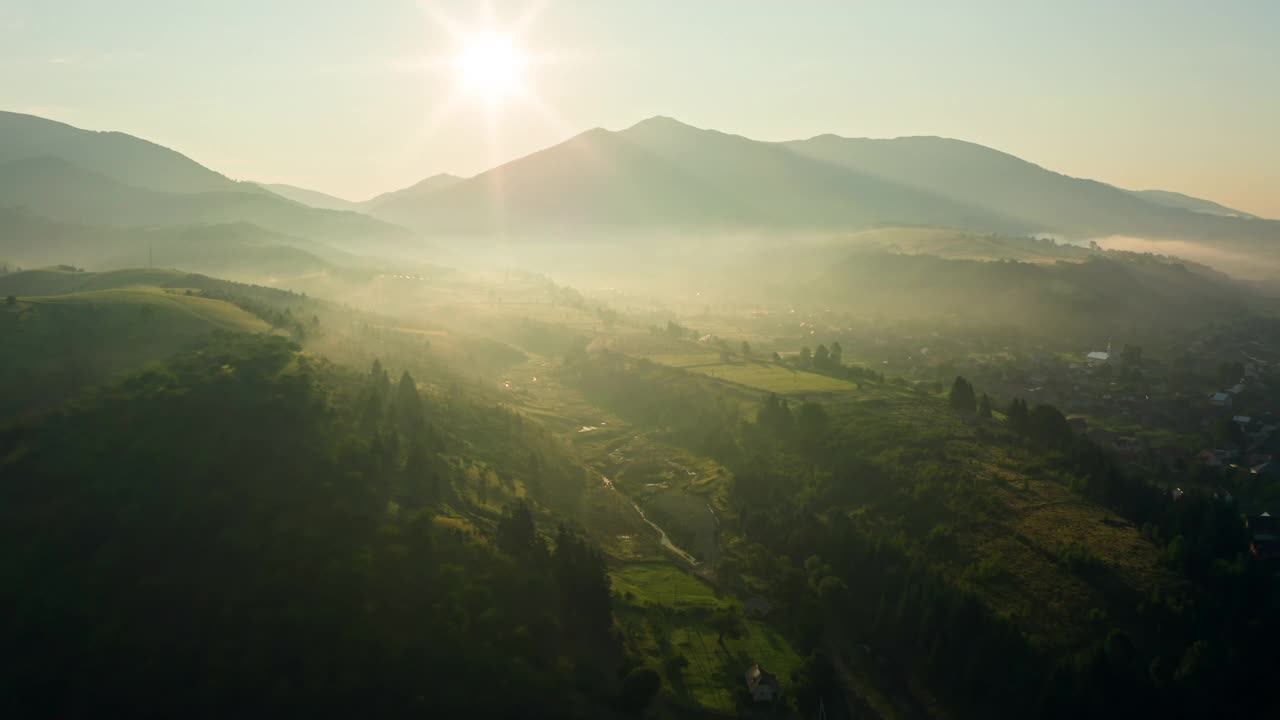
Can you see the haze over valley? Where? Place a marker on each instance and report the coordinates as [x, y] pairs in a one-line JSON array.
[[416, 364]]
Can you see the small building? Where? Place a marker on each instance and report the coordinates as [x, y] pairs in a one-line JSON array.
[[1269, 470], [1264, 532], [1098, 357], [1079, 425], [1220, 400], [762, 685]]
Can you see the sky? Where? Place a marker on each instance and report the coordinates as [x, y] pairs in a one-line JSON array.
[[355, 99]]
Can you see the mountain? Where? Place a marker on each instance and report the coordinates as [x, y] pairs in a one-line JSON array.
[[1039, 200], [419, 189], [310, 198], [664, 174], [57, 189], [238, 249], [1187, 202], [114, 155]]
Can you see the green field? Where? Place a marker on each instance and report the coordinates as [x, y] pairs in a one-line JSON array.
[[177, 312], [666, 585], [666, 616], [757, 374]]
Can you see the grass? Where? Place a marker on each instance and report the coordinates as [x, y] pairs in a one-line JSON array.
[[665, 614], [52, 281], [176, 312], [762, 375], [56, 345], [666, 585]]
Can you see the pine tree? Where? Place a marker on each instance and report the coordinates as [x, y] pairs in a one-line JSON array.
[[1019, 416], [409, 406], [821, 358], [984, 407], [962, 399], [517, 535]]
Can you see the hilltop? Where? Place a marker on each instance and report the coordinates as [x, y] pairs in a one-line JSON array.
[[71, 330]]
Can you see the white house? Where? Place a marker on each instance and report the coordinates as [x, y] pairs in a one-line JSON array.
[[1220, 399], [762, 685]]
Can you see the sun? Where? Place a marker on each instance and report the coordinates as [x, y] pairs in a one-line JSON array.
[[491, 66]]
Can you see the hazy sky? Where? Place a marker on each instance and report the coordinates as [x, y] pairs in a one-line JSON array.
[[343, 97]]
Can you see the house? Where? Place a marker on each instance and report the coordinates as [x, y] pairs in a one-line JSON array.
[[1269, 470], [1079, 425], [1265, 533], [1098, 357], [1220, 400], [762, 685]]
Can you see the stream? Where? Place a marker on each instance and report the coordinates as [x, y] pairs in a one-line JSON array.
[[663, 540]]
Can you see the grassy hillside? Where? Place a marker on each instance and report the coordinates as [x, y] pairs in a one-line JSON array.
[[70, 330]]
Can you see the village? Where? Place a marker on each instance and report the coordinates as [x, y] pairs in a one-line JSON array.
[[1187, 413]]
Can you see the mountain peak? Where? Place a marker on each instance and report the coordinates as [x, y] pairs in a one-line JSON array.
[[662, 123]]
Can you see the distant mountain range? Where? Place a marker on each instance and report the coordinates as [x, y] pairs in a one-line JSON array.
[[663, 174], [77, 176], [658, 175]]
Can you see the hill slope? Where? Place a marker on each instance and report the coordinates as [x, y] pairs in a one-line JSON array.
[[1038, 199], [115, 155], [419, 189], [224, 513], [105, 324], [59, 190], [1187, 202], [310, 198], [241, 248]]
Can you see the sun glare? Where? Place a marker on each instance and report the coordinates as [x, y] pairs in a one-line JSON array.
[[491, 66]]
